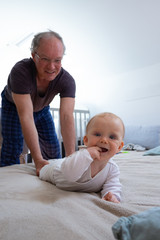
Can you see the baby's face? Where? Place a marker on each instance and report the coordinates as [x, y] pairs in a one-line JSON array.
[[107, 134]]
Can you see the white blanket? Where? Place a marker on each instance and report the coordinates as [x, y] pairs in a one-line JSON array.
[[34, 209]]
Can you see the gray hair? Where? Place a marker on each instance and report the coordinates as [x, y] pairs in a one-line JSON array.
[[36, 40]]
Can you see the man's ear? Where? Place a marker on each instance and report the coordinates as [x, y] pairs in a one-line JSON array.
[[85, 140], [120, 146], [33, 56]]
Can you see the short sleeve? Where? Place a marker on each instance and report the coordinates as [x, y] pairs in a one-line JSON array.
[[20, 79], [68, 86]]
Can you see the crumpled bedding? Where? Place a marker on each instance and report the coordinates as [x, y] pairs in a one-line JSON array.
[[133, 147], [153, 151]]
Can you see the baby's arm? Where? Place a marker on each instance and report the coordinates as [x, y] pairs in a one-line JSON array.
[[111, 190], [110, 197], [75, 165]]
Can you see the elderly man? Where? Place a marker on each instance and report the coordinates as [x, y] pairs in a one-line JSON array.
[[32, 85]]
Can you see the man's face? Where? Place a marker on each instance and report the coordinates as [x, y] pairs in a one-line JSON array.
[[48, 58]]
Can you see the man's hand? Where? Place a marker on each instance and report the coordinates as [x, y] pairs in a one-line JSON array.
[[110, 197], [94, 152]]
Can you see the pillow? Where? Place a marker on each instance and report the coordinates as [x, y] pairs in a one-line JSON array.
[[145, 136], [153, 151], [142, 226]]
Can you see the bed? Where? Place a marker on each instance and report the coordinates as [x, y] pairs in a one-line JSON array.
[[33, 209]]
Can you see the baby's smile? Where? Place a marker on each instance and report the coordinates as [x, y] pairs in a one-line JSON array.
[[104, 149]]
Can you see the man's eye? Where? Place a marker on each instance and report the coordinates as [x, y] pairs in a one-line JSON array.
[[45, 59], [57, 61]]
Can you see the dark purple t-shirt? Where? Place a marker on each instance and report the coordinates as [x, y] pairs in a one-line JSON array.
[[22, 80]]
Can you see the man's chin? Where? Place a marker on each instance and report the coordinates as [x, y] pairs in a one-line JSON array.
[[51, 77]]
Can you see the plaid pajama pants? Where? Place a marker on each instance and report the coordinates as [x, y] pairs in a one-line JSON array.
[[12, 145]]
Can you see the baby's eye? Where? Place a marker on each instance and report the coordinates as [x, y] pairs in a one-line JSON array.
[[112, 137], [97, 134]]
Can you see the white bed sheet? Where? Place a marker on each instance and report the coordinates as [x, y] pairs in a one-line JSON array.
[[33, 209]]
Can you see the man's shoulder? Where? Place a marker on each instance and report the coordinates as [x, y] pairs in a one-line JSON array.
[[24, 65], [24, 62], [66, 74]]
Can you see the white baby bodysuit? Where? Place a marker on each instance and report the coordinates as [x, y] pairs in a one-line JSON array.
[[73, 173]]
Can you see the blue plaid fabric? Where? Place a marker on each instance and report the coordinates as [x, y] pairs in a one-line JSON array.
[[12, 145]]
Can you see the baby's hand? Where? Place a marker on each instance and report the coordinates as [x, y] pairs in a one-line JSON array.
[[110, 197], [94, 152]]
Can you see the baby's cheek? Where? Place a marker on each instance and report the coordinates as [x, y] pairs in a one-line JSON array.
[[115, 147]]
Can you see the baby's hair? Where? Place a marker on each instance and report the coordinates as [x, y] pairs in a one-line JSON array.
[[103, 115]]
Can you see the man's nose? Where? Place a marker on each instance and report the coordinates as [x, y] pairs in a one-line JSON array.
[[52, 64]]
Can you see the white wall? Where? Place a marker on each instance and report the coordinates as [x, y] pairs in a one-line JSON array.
[[113, 50], [134, 95]]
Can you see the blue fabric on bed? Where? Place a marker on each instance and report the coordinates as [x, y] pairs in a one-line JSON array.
[[142, 226], [153, 151]]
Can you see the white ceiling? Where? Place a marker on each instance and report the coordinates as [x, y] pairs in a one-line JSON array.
[[118, 35]]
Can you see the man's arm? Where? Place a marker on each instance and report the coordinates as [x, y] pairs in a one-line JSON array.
[[67, 124], [25, 111]]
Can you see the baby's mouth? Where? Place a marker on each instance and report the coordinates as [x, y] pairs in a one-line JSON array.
[[104, 149]]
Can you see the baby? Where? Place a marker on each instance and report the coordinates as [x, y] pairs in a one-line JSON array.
[[91, 169]]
